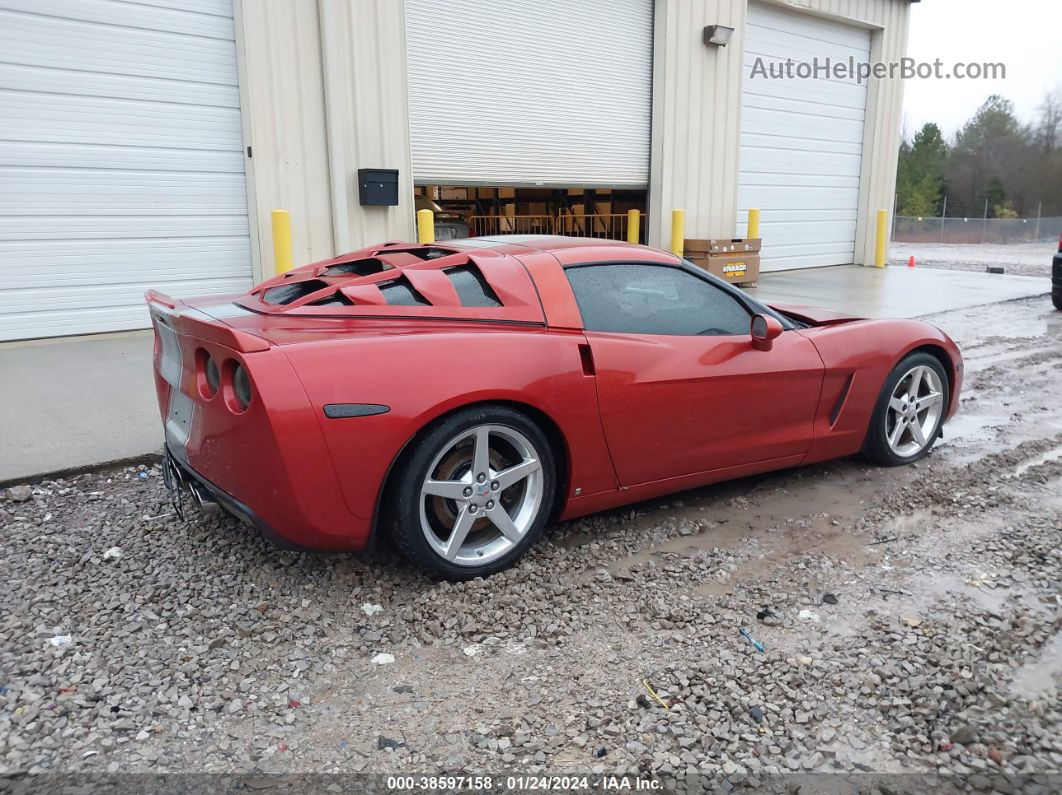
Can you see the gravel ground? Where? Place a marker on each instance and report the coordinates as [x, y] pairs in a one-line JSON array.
[[911, 621], [1020, 259]]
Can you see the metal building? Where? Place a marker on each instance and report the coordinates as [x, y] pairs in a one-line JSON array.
[[144, 144]]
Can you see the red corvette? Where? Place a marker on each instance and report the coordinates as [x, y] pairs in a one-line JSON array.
[[458, 397]]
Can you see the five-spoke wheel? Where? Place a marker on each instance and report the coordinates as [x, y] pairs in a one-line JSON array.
[[914, 411], [476, 490], [481, 494], [909, 412]]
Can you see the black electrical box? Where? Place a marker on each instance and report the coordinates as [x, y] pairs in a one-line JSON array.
[[378, 186]]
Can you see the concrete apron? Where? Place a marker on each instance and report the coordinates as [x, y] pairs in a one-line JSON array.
[[894, 291], [78, 402]]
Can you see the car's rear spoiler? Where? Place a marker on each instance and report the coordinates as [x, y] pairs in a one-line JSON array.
[[192, 322]]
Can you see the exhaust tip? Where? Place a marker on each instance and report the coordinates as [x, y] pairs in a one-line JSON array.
[[203, 500]]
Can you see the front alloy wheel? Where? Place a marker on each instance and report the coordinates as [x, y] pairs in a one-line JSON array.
[[909, 412], [914, 411], [473, 493]]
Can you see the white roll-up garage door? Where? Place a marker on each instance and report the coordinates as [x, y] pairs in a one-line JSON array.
[[511, 92], [121, 161], [801, 140]]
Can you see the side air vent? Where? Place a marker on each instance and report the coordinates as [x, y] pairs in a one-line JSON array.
[[471, 287], [400, 293], [335, 299], [359, 267], [286, 293]]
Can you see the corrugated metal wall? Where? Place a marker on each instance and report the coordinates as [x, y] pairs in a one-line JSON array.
[[325, 93], [697, 114], [367, 115], [325, 88]]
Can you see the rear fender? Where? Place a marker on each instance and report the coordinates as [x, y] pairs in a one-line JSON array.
[[270, 455], [421, 378]]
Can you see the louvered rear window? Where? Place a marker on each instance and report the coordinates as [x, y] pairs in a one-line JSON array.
[[359, 267], [335, 299], [471, 287], [287, 293], [400, 293]]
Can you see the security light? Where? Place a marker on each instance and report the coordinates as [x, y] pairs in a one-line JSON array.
[[717, 35]]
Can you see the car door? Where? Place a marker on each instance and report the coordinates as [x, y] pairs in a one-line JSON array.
[[681, 388]]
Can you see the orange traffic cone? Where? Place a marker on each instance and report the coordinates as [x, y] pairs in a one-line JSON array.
[[911, 262]]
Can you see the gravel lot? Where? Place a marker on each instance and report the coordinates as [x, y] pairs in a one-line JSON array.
[[911, 619], [1020, 259]]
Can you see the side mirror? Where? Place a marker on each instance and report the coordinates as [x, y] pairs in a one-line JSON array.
[[764, 329]]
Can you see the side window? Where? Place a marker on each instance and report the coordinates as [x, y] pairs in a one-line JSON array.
[[654, 299]]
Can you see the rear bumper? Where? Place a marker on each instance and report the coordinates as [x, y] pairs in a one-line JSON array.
[[240, 510]]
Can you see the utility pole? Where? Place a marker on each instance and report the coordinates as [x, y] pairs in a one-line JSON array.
[[943, 215], [1039, 211], [984, 223]]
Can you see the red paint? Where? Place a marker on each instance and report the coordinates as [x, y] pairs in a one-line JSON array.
[[639, 415]]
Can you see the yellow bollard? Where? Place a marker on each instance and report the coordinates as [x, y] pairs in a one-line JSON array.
[[754, 224], [882, 239], [282, 258], [425, 226], [678, 232], [633, 222]]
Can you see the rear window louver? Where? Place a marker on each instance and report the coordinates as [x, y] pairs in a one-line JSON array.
[[335, 299], [400, 293], [471, 287], [359, 267], [425, 253], [287, 293]]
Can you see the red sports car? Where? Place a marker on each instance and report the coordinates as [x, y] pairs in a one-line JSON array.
[[457, 398]]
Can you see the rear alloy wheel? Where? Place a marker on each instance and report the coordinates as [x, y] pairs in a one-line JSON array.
[[910, 411], [478, 490]]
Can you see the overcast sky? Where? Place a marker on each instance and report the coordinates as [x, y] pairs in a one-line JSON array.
[[1026, 35]]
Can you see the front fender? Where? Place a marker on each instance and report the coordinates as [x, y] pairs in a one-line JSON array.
[[858, 357]]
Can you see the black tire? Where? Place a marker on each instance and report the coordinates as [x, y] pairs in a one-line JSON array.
[[404, 494], [1056, 298], [876, 447]]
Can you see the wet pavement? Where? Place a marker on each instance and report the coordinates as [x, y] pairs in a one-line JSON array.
[[896, 291]]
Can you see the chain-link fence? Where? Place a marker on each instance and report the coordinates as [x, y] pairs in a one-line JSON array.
[[975, 230]]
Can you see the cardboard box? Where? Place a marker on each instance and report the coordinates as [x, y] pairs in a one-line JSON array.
[[736, 261], [722, 246]]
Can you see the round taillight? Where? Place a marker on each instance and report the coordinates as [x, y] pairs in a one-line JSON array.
[[241, 386], [213, 375]]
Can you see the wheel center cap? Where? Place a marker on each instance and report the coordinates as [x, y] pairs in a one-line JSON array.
[[480, 489]]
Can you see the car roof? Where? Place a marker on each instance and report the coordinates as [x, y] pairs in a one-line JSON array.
[[569, 250]]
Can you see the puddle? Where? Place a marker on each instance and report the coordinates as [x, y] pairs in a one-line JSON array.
[[1051, 455], [973, 427], [769, 522], [1036, 678], [924, 590], [980, 361]]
